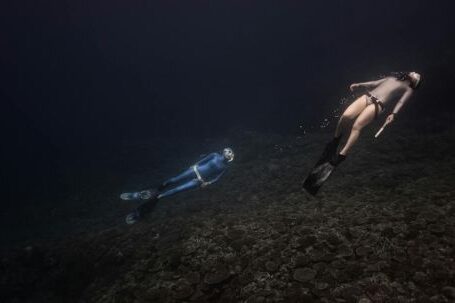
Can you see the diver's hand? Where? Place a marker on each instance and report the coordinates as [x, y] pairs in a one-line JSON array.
[[353, 86], [389, 119]]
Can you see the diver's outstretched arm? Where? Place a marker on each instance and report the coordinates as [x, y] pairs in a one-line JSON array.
[[216, 178], [206, 159], [369, 84], [402, 101]]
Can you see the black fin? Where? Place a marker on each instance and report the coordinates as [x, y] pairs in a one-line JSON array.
[[318, 177], [330, 150]]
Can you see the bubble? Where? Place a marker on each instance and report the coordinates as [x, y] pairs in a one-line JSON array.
[[324, 123]]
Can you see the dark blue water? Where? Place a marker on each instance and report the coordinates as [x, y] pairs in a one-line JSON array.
[[101, 97]]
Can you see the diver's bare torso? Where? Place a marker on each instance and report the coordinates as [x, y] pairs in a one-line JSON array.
[[390, 88]]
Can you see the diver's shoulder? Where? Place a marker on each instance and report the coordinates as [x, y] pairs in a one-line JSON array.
[[389, 78], [215, 155], [391, 81]]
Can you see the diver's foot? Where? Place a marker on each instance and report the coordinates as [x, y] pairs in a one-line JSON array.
[[330, 150], [140, 195], [332, 146], [133, 217], [335, 161], [148, 194], [129, 196]]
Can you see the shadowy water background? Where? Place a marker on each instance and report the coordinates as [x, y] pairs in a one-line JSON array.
[[103, 97]]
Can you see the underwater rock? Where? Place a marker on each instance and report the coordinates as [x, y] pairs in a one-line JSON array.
[[227, 295], [197, 295], [400, 255], [347, 292], [246, 277], [193, 277], [398, 286], [436, 228], [303, 231], [321, 285], [273, 167], [237, 245], [307, 241], [182, 290], [295, 293], [361, 220], [430, 217], [304, 274], [354, 269], [317, 255], [449, 292], [339, 263], [166, 275], [345, 251], [240, 243], [280, 227], [271, 266], [301, 261], [255, 299], [418, 224], [235, 234], [189, 250], [328, 257], [419, 277], [362, 251], [333, 239], [356, 232], [219, 275], [320, 267]]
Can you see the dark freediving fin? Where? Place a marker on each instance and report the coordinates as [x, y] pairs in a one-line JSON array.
[[322, 171], [142, 210], [317, 177], [330, 151], [326, 164], [140, 195], [133, 217]]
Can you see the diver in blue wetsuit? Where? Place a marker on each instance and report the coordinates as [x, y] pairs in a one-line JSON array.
[[205, 172]]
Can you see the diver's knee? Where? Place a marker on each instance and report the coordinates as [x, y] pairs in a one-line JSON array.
[[346, 117], [357, 127]]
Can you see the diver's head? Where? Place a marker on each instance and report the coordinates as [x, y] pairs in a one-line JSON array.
[[415, 79], [228, 154]]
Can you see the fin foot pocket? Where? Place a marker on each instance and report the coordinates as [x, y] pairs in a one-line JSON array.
[[132, 217], [129, 196]]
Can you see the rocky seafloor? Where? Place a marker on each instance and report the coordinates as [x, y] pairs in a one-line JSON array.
[[381, 230]]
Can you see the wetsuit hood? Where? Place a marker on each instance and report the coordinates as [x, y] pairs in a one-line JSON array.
[[228, 154]]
